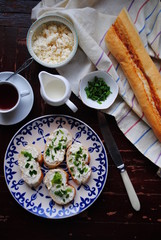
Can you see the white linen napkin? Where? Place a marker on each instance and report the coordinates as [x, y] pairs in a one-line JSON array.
[[91, 19]]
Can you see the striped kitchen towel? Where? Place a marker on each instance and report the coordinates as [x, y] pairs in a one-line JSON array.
[[92, 18]]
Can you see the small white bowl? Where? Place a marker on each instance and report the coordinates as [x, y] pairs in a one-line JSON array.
[[109, 81], [36, 28]]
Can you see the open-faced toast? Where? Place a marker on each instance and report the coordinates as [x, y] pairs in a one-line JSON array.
[[29, 161], [56, 146], [77, 159], [56, 181]]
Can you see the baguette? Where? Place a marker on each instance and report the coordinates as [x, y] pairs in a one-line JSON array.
[[55, 148], [56, 181], [77, 160], [124, 43], [29, 161]]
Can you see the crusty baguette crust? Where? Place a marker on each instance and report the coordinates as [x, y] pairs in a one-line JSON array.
[[85, 178], [40, 158], [47, 180], [124, 42], [39, 182]]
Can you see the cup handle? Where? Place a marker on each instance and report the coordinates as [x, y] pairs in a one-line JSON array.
[[24, 93], [71, 105]]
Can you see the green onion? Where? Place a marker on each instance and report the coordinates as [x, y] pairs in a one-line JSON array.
[[27, 165], [33, 172], [61, 131], [47, 152], [84, 170], [62, 193], [27, 155], [97, 90], [76, 163], [84, 156], [72, 169], [57, 148], [59, 193], [57, 178]]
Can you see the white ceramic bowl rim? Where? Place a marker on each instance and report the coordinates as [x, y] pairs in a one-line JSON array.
[[45, 19], [110, 82]]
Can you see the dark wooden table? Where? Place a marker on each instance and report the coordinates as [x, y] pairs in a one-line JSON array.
[[111, 216]]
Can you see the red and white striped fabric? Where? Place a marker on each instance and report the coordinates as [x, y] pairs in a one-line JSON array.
[[92, 18]]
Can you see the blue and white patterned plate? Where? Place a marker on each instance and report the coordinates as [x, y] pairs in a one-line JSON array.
[[38, 201]]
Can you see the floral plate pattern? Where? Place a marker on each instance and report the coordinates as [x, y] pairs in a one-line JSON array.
[[37, 200]]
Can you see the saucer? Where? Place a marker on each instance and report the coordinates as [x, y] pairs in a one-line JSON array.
[[25, 104]]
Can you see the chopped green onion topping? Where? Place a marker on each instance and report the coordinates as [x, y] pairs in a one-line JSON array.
[[97, 90], [47, 153], [27, 165], [72, 169], [61, 131], [63, 193], [27, 155], [57, 178], [33, 172], [84, 156]]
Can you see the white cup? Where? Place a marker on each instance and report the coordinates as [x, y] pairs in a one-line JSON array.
[[55, 90], [10, 96]]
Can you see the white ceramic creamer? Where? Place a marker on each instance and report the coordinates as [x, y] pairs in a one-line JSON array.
[[55, 90]]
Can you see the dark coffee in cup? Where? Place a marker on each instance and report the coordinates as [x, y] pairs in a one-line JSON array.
[[8, 96]]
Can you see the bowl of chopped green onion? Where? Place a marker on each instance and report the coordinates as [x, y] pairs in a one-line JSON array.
[[98, 90]]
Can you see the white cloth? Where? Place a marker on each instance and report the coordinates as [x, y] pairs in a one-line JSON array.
[[91, 19]]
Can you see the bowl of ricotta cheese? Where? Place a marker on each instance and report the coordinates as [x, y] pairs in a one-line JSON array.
[[52, 41]]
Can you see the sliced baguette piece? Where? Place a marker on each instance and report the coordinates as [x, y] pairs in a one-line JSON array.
[[56, 181], [77, 160], [29, 160], [55, 148], [124, 42]]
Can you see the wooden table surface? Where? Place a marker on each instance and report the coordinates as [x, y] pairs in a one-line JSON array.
[[111, 216]]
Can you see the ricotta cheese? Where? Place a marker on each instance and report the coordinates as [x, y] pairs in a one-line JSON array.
[[53, 44]]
